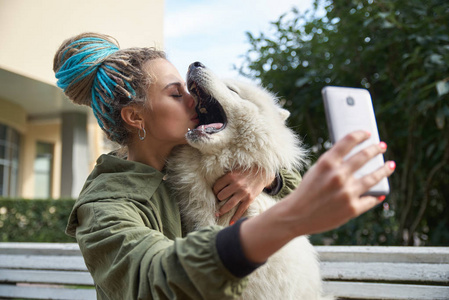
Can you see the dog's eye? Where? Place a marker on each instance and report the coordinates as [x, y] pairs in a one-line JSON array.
[[232, 90]]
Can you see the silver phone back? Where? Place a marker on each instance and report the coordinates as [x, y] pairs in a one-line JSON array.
[[348, 110]]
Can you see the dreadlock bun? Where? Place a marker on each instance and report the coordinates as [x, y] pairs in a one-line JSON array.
[[93, 71], [76, 62]]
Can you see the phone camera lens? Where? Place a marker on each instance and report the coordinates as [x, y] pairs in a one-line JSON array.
[[350, 101]]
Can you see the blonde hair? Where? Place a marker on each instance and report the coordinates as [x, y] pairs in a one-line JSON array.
[[93, 71]]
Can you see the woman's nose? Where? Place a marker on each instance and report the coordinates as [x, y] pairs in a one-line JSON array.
[[190, 101]]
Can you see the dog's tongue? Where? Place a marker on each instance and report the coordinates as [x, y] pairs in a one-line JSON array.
[[212, 125]]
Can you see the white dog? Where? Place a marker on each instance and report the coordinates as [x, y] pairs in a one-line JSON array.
[[242, 126]]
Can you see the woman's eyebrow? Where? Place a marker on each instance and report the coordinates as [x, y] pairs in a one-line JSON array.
[[178, 84]]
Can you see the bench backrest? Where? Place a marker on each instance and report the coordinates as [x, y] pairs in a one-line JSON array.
[[57, 271], [44, 271], [357, 272]]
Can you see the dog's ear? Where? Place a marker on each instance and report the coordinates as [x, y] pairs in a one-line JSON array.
[[284, 113]]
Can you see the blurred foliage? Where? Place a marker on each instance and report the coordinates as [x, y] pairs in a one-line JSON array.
[[375, 227], [23, 220], [399, 51]]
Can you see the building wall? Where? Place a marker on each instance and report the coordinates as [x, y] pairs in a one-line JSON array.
[[30, 33], [97, 141], [13, 115], [48, 131], [32, 30]]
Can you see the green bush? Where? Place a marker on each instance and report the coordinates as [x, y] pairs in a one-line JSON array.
[[23, 220], [399, 50], [377, 227]]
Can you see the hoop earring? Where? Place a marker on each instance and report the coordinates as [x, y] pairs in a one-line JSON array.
[[142, 137]]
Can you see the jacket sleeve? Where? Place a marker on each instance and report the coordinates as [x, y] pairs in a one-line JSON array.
[[130, 260], [287, 181]]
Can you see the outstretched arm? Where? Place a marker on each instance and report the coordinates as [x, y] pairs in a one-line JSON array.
[[328, 197]]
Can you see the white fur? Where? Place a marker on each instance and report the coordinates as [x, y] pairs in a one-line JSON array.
[[255, 136]]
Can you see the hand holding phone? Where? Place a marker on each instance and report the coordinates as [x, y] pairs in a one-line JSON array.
[[348, 110]]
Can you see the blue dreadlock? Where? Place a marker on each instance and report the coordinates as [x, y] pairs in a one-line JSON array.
[[90, 60]]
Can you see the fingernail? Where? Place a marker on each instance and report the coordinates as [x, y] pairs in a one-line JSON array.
[[231, 223], [368, 133], [392, 165], [383, 145], [381, 198]]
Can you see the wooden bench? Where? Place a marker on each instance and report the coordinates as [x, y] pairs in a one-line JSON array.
[[57, 271], [354, 272], [44, 271]]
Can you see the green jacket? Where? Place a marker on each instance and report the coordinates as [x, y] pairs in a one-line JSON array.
[[130, 235]]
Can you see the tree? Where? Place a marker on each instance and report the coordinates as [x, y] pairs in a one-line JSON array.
[[399, 51]]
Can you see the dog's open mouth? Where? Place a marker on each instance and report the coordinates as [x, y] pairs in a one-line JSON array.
[[212, 118]]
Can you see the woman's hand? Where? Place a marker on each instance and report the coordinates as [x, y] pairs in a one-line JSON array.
[[328, 196], [240, 187]]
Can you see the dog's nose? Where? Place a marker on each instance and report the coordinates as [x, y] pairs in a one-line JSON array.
[[196, 65]]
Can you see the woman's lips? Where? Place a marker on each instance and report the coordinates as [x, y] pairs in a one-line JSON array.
[[195, 119]]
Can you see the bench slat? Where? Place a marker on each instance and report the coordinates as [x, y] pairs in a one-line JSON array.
[[49, 277], [43, 262], [40, 248], [391, 272], [400, 272], [31, 292], [359, 290], [430, 255]]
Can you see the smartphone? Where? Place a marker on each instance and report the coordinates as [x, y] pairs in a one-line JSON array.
[[348, 110]]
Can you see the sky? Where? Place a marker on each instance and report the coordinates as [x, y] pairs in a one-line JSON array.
[[213, 31]]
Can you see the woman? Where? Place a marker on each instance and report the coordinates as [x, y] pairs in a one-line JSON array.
[[128, 229]]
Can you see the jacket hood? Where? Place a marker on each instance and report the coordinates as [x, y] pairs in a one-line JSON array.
[[116, 178]]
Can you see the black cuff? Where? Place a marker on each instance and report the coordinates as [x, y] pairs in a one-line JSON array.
[[276, 186], [230, 250]]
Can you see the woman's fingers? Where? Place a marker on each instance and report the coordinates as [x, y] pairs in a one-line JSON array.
[[240, 201], [370, 180], [224, 193], [238, 189], [346, 144], [366, 203], [220, 186], [359, 159], [237, 181], [241, 209], [230, 204]]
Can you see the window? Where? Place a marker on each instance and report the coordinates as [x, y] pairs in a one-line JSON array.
[[43, 166], [9, 161]]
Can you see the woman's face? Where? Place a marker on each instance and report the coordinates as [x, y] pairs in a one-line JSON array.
[[171, 109]]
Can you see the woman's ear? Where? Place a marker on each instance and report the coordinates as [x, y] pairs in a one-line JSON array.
[[132, 116]]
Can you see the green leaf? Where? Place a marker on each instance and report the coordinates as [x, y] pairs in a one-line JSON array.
[[442, 87], [383, 15], [437, 59], [301, 82]]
